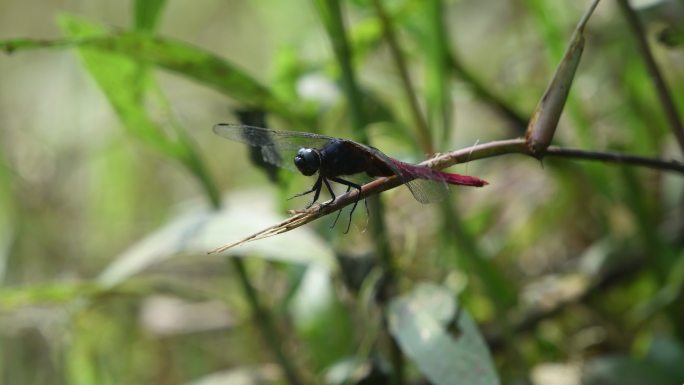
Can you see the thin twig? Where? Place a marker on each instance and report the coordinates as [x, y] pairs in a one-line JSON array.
[[615, 157], [409, 91], [662, 91]]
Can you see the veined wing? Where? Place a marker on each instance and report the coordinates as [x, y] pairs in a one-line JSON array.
[[425, 189], [280, 147], [277, 147], [426, 185]]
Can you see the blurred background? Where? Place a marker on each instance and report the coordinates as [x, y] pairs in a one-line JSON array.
[[113, 187]]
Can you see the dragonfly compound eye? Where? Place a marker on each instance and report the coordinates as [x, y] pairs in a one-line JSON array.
[[308, 161]]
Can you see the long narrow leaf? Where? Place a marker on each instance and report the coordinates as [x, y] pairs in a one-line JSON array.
[[123, 81], [192, 62]]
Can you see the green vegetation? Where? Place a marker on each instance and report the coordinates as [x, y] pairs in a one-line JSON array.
[[568, 266]]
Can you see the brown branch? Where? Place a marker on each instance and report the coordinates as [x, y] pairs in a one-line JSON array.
[[480, 151], [656, 76], [379, 185]]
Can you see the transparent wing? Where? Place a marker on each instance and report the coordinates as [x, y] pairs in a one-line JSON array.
[[280, 147], [428, 191], [426, 184], [277, 147]]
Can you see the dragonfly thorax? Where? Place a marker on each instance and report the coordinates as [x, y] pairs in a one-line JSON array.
[[308, 161]]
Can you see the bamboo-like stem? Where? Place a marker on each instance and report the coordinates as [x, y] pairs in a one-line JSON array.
[[662, 91], [331, 15]]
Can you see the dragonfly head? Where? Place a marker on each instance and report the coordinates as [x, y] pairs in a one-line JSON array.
[[308, 161]]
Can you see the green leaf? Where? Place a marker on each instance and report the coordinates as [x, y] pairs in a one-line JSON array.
[[201, 66], [419, 322], [147, 14], [134, 48], [123, 82]]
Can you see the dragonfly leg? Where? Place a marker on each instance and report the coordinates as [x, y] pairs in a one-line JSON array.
[[349, 185], [332, 193], [340, 212], [316, 188]]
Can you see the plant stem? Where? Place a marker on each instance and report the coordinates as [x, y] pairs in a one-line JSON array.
[[331, 14], [410, 94], [265, 322], [438, 97], [662, 91]]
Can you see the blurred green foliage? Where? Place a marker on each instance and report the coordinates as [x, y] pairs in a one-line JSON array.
[[110, 197]]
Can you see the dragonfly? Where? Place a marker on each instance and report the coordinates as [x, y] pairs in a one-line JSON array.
[[333, 158]]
